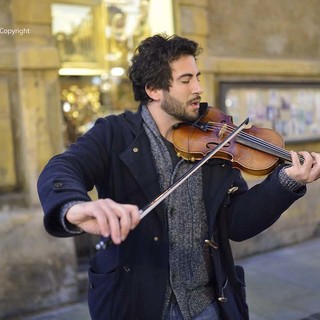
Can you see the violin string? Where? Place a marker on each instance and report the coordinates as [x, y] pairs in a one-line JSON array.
[[258, 141], [249, 137], [274, 148], [280, 152]]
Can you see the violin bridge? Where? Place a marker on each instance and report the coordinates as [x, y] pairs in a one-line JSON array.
[[222, 131]]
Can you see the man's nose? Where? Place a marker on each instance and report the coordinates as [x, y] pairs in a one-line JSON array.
[[197, 89]]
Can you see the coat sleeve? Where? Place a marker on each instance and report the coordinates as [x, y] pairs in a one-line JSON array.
[[69, 176], [253, 211]]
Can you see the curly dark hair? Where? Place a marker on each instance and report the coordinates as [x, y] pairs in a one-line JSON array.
[[151, 62]]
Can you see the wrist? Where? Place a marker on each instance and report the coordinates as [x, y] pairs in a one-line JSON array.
[[67, 225], [288, 182]]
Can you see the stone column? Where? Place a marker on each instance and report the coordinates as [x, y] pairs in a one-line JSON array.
[[36, 270], [191, 21]]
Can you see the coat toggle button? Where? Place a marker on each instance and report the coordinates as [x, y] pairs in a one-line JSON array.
[[58, 185]]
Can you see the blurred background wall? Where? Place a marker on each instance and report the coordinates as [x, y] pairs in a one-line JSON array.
[[63, 64]]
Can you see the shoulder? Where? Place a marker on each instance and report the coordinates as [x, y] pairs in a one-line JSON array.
[[127, 120]]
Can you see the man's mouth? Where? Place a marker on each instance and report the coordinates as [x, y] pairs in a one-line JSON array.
[[195, 106], [195, 102]]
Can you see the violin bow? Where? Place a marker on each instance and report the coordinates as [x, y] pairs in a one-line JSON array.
[[149, 207]]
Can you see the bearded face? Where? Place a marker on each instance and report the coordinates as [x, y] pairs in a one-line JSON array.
[[183, 111]]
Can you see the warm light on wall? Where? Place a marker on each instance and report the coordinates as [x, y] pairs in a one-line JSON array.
[[161, 16], [117, 71]]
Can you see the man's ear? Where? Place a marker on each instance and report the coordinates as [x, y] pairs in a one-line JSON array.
[[154, 94]]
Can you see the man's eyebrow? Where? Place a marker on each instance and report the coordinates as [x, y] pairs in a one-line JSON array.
[[190, 75]]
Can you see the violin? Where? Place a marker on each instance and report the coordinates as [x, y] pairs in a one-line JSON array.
[[254, 150]]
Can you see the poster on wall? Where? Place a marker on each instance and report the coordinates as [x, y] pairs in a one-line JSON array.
[[291, 109]]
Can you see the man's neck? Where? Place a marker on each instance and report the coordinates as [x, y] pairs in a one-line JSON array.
[[163, 120]]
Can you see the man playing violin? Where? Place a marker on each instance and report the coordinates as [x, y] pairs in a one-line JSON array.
[[174, 263]]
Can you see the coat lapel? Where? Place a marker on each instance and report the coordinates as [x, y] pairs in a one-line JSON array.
[[138, 159]]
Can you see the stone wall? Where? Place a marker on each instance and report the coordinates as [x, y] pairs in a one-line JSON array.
[[36, 270], [286, 29]]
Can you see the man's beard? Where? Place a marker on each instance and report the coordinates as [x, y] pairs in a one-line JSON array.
[[178, 109]]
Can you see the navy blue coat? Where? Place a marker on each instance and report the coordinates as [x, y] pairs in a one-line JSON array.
[[129, 281]]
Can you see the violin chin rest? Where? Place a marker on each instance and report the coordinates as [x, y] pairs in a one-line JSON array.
[[203, 109]]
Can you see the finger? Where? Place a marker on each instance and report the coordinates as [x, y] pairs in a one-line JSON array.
[[97, 212], [135, 215], [125, 221], [308, 159], [311, 166], [294, 158], [112, 215], [316, 158], [129, 216], [315, 165]]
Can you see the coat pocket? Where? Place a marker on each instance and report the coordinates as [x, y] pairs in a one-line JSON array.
[[111, 287], [102, 280]]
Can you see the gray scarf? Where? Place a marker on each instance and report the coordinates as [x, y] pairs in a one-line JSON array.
[[189, 260]]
